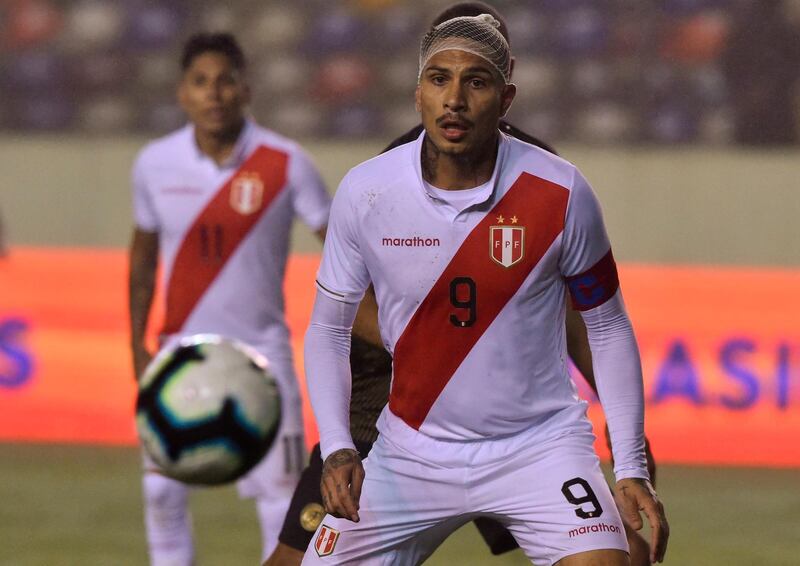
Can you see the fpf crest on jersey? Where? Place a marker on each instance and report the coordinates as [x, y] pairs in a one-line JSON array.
[[506, 243]]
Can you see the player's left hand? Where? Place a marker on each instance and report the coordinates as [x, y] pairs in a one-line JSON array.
[[342, 477], [633, 495]]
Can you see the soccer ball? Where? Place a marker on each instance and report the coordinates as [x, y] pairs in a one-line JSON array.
[[208, 409]]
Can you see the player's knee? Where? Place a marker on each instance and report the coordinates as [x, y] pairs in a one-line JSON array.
[[163, 492]]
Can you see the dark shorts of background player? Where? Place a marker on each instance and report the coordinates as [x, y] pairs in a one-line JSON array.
[[306, 511]]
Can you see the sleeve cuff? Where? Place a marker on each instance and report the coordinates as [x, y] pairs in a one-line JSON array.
[[337, 296], [629, 473], [329, 447]]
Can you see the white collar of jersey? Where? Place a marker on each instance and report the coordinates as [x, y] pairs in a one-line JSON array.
[[498, 165], [239, 153]]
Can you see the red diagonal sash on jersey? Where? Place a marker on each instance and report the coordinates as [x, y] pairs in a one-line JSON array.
[[219, 229], [432, 348]]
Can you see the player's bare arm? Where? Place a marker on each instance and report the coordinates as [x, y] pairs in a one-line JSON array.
[[365, 325], [634, 495], [141, 285], [342, 478]]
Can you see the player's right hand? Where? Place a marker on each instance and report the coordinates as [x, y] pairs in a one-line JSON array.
[[342, 478]]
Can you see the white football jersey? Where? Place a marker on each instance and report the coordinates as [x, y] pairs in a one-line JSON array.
[[224, 231], [471, 302]]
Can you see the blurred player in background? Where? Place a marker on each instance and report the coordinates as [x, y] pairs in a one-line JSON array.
[[214, 202], [371, 376], [482, 419]]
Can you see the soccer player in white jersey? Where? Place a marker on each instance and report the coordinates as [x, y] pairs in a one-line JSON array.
[[214, 201], [470, 239]]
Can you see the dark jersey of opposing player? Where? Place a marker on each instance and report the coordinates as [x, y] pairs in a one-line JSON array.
[[372, 366]]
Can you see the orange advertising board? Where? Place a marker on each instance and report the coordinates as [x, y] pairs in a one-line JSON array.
[[720, 351]]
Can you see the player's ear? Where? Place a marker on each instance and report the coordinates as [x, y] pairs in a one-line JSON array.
[[507, 97], [417, 101]]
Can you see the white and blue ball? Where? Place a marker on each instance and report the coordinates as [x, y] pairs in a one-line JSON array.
[[208, 410]]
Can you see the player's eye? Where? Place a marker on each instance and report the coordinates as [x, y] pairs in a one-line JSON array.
[[438, 80], [477, 83]]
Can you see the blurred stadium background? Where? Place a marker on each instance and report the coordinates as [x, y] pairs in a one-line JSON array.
[[682, 113], [597, 71]]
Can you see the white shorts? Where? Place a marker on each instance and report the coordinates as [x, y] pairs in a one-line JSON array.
[[277, 474], [551, 495]]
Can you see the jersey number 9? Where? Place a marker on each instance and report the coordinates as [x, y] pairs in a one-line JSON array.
[[464, 296]]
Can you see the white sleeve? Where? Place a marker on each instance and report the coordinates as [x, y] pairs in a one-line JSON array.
[[618, 374], [310, 198], [327, 365], [343, 274], [585, 239], [144, 211], [591, 276]]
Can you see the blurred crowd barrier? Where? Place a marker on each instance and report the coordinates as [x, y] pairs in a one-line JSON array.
[[590, 71], [721, 357], [662, 205]]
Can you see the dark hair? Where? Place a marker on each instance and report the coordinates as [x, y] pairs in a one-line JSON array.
[[222, 43], [472, 9]]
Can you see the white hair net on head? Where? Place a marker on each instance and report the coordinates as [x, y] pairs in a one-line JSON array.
[[479, 35]]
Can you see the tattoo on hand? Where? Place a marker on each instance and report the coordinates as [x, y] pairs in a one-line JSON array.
[[339, 459]]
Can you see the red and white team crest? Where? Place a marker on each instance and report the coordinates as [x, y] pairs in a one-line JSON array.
[[506, 244], [326, 540], [247, 192]]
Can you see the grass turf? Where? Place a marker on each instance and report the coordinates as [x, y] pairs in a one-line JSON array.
[[78, 505]]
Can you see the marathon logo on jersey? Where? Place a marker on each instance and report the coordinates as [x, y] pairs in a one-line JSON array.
[[247, 192], [326, 540], [414, 242], [598, 528], [507, 243]]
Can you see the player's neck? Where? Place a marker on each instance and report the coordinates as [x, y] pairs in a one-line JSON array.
[[458, 172], [218, 145]]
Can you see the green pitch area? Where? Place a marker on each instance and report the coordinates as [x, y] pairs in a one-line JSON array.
[[66, 505]]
